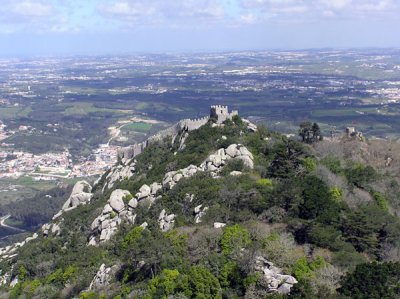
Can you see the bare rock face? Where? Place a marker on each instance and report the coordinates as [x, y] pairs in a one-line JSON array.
[[277, 282], [165, 221], [80, 195], [199, 212], [216, 161], [114, 212], [102, 278], [144, 191], [53, 229], [232, 150], [119, 173], [250, 126], [116, 200]]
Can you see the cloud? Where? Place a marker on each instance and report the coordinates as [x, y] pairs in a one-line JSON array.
[[124, 15], [166, 12], [17, 11], [319, 9], [19, 15]]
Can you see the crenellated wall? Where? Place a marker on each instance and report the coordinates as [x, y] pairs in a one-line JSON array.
[[220, 112]]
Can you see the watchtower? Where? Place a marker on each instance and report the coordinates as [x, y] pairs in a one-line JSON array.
[[221, 113]]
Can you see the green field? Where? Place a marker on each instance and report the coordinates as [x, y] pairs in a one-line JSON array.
[[25, 187], [14, 112], [83, 108], [138, 127]]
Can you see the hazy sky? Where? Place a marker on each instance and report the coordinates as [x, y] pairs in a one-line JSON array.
[[31, 27]]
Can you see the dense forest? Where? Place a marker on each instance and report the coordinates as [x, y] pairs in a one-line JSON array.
[[323, 211]]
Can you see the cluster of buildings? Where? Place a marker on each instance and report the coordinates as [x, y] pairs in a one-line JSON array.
[[56, 165]]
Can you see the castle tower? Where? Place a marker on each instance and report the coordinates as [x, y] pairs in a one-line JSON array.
[[221, 113]]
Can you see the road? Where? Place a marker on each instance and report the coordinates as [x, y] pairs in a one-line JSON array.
[[3, 224]]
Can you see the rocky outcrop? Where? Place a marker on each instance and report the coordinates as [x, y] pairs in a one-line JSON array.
[[10, 251], [102, 278], [212, 164], [275, 280], [114, 212], [117, 209], [80, 195], [219, 225], [53, 229], [165, 221], [199, 212], [235, 151], [4, 278], [250, 126], [119, 173]]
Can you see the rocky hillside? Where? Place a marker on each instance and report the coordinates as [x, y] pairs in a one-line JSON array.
[[226, 210]]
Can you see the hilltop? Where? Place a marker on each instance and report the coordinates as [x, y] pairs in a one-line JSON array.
[[219, 208]]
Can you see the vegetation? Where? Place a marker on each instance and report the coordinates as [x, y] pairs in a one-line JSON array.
[[325, 218]]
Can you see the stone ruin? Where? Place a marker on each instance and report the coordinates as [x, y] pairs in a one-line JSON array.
[[221, 113], [353, 133], [218, 112]]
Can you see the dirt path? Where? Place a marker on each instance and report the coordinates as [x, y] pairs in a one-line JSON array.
[[3, 224]]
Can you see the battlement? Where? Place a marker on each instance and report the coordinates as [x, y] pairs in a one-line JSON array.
[[221, 113], [219, 107]]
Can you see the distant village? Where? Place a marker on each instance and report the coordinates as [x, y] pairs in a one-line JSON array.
[[49, 166]]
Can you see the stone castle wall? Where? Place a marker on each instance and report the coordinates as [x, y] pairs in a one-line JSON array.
[[221, 113]]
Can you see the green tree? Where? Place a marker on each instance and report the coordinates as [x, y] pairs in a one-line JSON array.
[[234, 238], [169, 282], [203, 284], [310, 132], [372, 281], [317, 202]]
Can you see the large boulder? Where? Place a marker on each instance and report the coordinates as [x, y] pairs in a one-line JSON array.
[[80, 195], [247, 161], [116, 200], [101, 279], [166, 222], [277, 282], [155, 187], [232, 151], [144, 191]]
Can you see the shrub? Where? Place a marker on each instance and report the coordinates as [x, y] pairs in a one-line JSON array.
[[169, 282], [230, 275], [336, 194], [131, 237], [198, 283], [360, 175], [309, 163], [234, 238], [127, 198], [305, 270], [88, 295], [203, 284], [333, 164], [326, 236], [381, 201], [264, 182], [348, 260]]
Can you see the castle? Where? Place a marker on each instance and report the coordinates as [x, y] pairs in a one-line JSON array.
[[221, 113], [217, 112]]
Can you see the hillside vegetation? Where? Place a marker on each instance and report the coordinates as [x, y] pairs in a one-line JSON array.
[[325, 214]]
